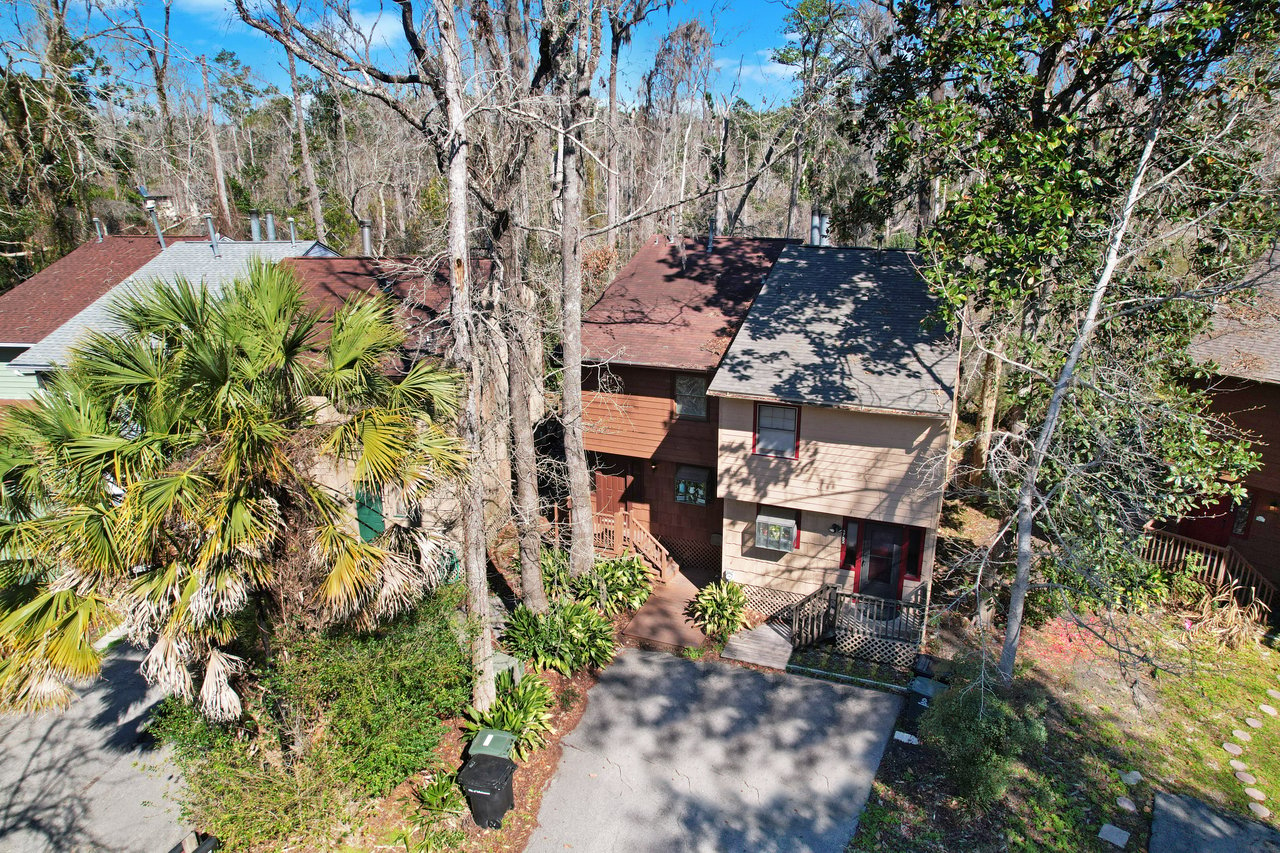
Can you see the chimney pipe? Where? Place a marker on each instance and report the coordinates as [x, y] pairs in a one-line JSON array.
[[155, 221], [366, 237], [293, 231], [711, 236], [271, 226], [815, 227], [97, 226], [213, 235], [824, 233], [255, 225]]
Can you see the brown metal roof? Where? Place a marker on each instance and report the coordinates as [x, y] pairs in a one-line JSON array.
[[36, 307], [1244, 340], [676, 305]]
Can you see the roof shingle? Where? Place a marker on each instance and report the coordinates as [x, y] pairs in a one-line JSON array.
[[842, 327], [51, 297], [1244, 340], [676, 305]]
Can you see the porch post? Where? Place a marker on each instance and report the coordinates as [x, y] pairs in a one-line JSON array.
[[619, 531]]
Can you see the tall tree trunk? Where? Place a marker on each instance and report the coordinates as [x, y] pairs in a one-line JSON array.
[[308, 165], [219, 174], [611, 155], [1028, 492], [466, 353], [992, 368], [582, 546], [793, 198]]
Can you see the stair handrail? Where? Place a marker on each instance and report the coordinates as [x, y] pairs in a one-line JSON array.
[[627, 531], [1168, 549]]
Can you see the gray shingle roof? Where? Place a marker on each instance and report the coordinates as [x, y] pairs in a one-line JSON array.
[[1244, 340], [842, 327], [194, 260]]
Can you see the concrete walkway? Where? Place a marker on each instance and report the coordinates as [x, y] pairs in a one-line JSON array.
[[677, 755], [76, 781], [1187, 825]]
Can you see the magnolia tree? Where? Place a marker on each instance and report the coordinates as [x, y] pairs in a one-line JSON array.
[[1100, 178]]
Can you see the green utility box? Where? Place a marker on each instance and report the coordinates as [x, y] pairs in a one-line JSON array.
[[493, 742]]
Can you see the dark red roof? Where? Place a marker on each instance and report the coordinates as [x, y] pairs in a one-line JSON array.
[[676, 305], [51, 297], [421, 296]]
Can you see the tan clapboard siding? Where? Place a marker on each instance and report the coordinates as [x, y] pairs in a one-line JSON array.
[[814, 563], [639, 420], [856, 464]]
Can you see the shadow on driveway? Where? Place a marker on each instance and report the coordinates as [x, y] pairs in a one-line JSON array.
[[677, 755]]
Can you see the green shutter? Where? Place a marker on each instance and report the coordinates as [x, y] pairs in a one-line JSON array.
[[369, 514]]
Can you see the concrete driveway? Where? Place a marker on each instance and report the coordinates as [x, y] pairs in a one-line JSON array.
[[677, 755], [78, 781]]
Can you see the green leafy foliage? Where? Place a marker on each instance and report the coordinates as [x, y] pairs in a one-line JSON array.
[[569, 637], [522, 709], [615, 585], [340, 716], [719, 609], [980, 735]]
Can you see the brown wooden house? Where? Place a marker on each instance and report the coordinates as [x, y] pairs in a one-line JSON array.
[[652, 343]]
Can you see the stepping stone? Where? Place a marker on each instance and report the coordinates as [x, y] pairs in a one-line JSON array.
[[1259, 810], [1126, 804], [1254, 794], [1268, 710], [1246, 778], [1114, 834], [1131, 778], [1253, 722], [1233, 748], [1273, 693], [1237, 764], [1241, 735]]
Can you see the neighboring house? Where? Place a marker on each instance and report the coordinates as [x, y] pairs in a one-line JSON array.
[[650, 345], [1243, 344], [837, 408], [783, 415], [37, 307], [194, 260]]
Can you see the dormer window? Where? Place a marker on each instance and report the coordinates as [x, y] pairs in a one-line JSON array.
[[691, 397]]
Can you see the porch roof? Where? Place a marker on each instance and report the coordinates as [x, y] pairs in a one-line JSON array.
[[1244, 338]]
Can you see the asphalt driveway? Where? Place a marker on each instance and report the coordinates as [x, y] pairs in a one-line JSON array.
[[81, 780], [677, 755]]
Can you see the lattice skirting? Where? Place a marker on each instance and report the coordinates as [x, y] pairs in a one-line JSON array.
[[769, 601], [692, 554], [890, 652]]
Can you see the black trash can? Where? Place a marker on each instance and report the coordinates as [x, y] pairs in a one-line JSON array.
[[486, 780]]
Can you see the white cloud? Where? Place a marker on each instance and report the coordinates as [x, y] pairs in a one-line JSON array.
[[381, 29], [203, 7], [765, 72]]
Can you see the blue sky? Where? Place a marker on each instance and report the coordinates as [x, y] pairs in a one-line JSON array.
[[745, 32]]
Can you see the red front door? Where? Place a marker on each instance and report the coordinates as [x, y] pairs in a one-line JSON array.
[[1210, 523]]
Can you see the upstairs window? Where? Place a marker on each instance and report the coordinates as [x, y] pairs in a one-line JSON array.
[[691, 397], [691, 485], [777, 528], [776, 431]]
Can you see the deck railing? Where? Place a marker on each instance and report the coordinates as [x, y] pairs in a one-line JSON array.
[[1218, 563], [829, 612], [618, 531], [811, 618]]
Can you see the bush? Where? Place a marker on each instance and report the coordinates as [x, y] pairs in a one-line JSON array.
[[555, 572], [340, 716], [979, 735], [523, 709], [569, 637], [615, 585], [719, 609]]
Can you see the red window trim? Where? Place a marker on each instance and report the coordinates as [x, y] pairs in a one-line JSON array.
[[755, 430]]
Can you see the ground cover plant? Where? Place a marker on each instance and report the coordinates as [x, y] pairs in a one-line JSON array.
[[569, 637], [719, 610]]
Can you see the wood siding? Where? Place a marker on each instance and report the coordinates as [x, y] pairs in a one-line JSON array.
[[631, 411], [851, 464], [815, 562]]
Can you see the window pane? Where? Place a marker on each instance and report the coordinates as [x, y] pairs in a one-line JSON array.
[[691, 396], [691, 485], [776, 442], [778, 417], [776, 529]]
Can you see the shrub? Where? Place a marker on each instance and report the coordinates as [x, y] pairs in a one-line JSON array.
[[555, 572], [615, 585], [719, 609], [979, 735], [523, 709], [569, 637]]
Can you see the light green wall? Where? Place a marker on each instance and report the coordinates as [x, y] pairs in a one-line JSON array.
[[12, 385]]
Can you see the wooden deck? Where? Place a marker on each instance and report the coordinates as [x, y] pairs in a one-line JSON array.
[[661, 623], [767, 645]]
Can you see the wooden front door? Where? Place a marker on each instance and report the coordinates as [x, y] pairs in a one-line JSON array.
[[611, 491], [1210, 523]]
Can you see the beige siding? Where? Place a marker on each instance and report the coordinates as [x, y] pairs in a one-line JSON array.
[[814, 563], [851, 464]]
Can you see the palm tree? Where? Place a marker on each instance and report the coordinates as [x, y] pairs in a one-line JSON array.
[[192, 475]]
